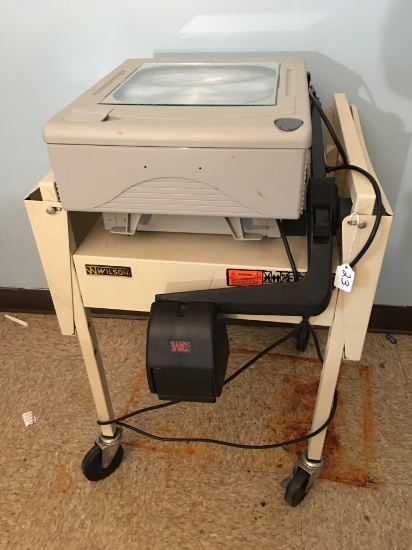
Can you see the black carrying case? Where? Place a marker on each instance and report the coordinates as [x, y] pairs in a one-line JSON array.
[[187, 351]]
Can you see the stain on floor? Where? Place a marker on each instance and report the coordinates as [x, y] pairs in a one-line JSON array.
[[63, 479], [347, 462], [340, 464]]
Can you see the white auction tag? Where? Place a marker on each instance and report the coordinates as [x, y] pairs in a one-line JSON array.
[[344, 277]]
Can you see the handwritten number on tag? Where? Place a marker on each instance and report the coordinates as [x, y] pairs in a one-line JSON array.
[[344, 277]]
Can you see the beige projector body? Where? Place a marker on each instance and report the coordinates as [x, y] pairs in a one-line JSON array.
[[223, 140]]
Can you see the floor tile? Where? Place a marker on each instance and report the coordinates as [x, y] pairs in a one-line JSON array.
[[370, 439], [121, 340], [19, 471], [338, 517], [130, 392], [404, 348], [41, 338], [380, 359], [215, 496], [383, 358], [52, 390], [248, 413], [263, 406], [212, 508], [203, 420], [119, 512], [350, 449], [58, 392], [377, 347], [252, 339], [392, 417]]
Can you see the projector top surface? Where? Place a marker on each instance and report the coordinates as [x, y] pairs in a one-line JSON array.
[[199, 102]]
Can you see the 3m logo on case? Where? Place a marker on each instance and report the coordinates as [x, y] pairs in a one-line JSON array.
[[180, 347], [112, 270]]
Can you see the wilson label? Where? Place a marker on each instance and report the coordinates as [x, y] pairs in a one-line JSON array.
[[180, 347], [111, 270]]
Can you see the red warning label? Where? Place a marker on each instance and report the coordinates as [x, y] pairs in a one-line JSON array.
[[244, 277]]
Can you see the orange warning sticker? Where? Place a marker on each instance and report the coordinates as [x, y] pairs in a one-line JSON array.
[[244, 277]]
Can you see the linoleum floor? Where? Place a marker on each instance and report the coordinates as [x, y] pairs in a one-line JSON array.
[[180, 496]]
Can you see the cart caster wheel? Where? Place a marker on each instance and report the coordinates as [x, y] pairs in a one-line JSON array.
[[297, 488], [302, 338], [92, 464]]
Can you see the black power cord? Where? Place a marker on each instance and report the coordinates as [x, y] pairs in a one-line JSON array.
[[288, 251], [326, 121], [119, 421], [227, 381]]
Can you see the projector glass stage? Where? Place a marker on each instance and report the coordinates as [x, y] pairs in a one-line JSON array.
[[197, 84]]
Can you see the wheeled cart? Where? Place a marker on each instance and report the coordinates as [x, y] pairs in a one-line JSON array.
[[88, 267]]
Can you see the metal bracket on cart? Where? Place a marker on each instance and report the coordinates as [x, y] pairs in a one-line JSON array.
[[109, 447], [305, 473], [104, 457]]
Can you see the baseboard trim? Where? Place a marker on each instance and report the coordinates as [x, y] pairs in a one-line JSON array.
[[392, 319], [26, 300]]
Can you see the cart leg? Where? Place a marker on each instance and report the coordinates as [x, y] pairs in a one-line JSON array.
[[106, 455], [309, 466]]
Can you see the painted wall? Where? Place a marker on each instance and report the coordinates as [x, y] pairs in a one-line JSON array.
[[52, 51]]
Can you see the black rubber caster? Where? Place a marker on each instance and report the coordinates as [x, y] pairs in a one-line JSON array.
[[297, 488], [302, 338], [92, 464]]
